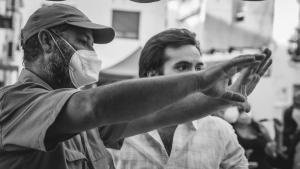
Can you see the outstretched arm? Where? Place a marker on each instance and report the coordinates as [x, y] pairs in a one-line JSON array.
[[190, 108], [196, 105], [133, 99]]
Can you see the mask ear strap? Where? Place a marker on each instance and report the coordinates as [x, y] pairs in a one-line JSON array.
[[64, 40], [52, 39], [50, 33], [39, 37]]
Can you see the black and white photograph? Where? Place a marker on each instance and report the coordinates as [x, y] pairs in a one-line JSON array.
[[149, 84]]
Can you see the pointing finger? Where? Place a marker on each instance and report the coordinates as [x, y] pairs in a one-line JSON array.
[[265, 68], [268, 53], [243, 60]]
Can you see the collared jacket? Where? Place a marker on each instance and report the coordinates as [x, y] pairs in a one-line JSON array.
[[27, 109]]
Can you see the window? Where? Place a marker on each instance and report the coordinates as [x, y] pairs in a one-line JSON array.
[[8, 74], [126, 24]]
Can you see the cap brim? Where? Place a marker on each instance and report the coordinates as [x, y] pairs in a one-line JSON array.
[[101, 34]]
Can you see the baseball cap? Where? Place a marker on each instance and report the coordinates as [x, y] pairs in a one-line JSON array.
[[57, 14]]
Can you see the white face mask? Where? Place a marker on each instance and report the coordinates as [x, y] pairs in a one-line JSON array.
[[231, 114], [84, 66]]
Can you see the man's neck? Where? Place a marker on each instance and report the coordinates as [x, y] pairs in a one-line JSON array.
[[166, 134], [53, 80]]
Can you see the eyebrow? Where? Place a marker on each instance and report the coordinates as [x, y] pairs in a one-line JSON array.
[[87, 35], [199, 63], [90, 36], [86, 38], [183, 62]]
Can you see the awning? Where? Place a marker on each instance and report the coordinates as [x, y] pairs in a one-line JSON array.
[[254, 31], [125, 69]]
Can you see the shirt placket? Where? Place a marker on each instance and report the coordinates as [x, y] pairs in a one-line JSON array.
[[156, 138], [182, 135], [87, 150]]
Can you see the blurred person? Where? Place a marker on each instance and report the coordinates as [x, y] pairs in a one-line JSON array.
[[291, 134], [208, 143], [254, 137], [46, 121]]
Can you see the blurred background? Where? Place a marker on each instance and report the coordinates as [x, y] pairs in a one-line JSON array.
[[225, 28]]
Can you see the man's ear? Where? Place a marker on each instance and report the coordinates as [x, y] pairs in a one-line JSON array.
[[46, 40], [152, 73]]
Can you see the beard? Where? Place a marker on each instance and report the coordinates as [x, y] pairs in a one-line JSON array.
[[57, 70]]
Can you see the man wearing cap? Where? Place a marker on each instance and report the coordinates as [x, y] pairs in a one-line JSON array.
[[47, 122]]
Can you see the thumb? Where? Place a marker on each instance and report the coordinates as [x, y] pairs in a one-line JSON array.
[[233, 96], [246, 107]]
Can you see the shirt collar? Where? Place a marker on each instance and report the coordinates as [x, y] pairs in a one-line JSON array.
[[195, 124], [154, 134], [28, 76]]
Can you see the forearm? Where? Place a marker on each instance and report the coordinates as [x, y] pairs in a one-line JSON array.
[[132, 99], [120, 102], [190, 108]]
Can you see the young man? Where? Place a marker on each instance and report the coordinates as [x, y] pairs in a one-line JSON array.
[[47, 122], [209, 143]]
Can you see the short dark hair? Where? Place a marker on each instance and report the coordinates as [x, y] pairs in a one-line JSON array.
[[153, 57], [32, 48]]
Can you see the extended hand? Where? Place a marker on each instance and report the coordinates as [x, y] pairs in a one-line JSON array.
[[213, 80], [250, 77]]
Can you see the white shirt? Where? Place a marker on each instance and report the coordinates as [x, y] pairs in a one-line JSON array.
[[208, 143]]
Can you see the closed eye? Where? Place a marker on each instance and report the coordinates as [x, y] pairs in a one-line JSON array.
[[86, 43]]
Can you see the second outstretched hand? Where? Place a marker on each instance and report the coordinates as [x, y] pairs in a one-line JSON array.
[[212, 81], [249, 78]]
